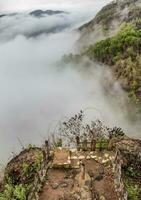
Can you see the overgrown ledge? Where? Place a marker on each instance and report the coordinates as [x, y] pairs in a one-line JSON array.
[[87, 161]]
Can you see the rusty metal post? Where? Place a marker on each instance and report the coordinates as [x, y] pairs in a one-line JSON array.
[[83, 170], [84, 145], [78, 143], [93, 145], [47, 151]]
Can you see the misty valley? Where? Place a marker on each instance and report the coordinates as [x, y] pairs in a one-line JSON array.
[[70, 103]]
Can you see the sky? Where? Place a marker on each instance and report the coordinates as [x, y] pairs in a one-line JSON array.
[[14, 5]]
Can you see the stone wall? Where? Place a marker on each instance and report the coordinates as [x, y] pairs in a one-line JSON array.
[[40, 177], [119, 185], [39, 181], [30, 156], [128, 153], [131, 152]]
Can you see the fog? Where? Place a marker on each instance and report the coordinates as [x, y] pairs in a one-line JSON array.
[[22, 23], [36, 92], [20, 5]]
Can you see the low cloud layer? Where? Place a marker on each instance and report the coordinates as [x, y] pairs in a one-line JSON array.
[[15, 5], [22, 23], [29, 26], [36, 92]]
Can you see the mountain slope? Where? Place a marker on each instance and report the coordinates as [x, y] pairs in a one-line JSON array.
[[109, 20], [123, 54], [41, 13], [113, 38]]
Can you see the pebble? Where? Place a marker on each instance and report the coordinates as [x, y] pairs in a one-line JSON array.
[[99, 178], [105, 161], [63, 185], [106, 155], [81, 157], [74, 157], [88, 157], [102, 198], [93, 156], [73, 150], [54, 186]]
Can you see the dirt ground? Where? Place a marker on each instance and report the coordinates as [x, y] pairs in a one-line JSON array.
[[57, 185], [61, 183]]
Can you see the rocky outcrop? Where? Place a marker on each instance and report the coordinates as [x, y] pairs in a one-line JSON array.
[[93, 169], [118, 181], [131, 152], [26, 173], [75, 174], [39, 181]]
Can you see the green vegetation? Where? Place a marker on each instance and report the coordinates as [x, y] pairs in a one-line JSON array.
[[122, 53], [20, 175], [28, 170], [18, 192], [127, 43], [38, 161], [132, 173], [132, 177], [133, 191], [102, 144], [31, 146]]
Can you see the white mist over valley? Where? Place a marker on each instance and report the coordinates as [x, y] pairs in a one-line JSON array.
[[36, 91]]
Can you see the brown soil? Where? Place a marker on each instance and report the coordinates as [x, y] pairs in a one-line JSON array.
[[103, 180], [57, 185], [61, 182]]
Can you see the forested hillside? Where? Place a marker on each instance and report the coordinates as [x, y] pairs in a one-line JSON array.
[[122, 53]]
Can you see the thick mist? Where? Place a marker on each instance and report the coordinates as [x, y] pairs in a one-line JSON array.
[[36, 92]]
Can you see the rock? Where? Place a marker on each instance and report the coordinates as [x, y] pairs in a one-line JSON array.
[[88, 183], [91, 173], [101, 170], [106, 155], [54, 186], [99, 178], [63, 185], [102, 198]]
